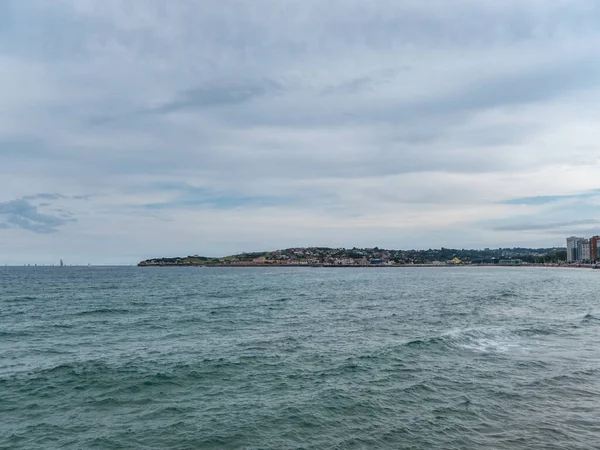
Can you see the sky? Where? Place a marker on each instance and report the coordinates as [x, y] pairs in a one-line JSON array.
[[138, 129]]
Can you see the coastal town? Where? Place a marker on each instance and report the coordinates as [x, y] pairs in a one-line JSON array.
[[377, 257], [583, 250]]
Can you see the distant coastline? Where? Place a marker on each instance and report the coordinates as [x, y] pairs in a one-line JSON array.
[[390, 266], [377, 258]]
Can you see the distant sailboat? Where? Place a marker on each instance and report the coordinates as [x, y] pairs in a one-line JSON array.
[[61, 263]]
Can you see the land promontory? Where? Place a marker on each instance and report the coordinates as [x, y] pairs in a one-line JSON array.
[[325, 256]]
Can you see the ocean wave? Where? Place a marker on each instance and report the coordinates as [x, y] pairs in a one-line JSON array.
[[483, 339], [571, 378], [507, 293], [184, 295], [590, 318], [101, 311], [559, 326], [23, 298], [77, 368], [541, 330], [63, 325], [475, 339], [13, 334]]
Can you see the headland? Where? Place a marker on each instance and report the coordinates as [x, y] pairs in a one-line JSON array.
[[376, 257]]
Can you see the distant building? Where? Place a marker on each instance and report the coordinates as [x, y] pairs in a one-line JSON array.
[[595, 248], [585, 250], [574, 248], [484, 261], [510, 262], [454, 261]]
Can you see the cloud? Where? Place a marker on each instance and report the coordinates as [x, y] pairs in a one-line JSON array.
[[23, 214], [546, 199], [44, 197], [219, 93], [547, 226], [363, 83]]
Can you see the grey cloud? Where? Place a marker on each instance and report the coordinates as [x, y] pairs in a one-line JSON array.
[[273, 27], [49, 196], [23, 214], [363, 83], [351, 86], [218, 94], [423, 120], [501, 90], [44, 196], [543, 83], [30, 147], [545, 226]]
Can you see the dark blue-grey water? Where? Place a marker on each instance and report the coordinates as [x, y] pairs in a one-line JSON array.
[[299, 358]]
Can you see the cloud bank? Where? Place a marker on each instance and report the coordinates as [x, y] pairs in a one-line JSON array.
[[203, 127], [25, 214]]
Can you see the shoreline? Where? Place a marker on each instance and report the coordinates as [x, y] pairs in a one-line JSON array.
[[377, 266]]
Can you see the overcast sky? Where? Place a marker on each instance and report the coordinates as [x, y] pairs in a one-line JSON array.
[[134, 129]]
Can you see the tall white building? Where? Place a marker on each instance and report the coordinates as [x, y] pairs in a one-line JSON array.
[[585, 250]]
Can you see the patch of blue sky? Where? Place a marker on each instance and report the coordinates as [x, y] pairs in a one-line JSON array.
[[191, 196], [222, 202], [546, 199]]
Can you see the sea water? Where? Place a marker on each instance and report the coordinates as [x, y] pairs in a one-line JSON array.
[[299, 358]]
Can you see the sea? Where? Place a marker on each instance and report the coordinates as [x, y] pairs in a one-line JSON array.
[[299, 358]]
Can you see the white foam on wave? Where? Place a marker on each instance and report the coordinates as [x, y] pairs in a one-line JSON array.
[[485, 340]]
